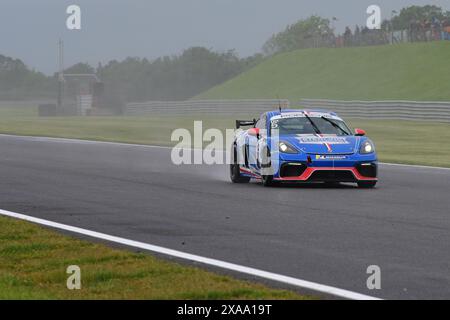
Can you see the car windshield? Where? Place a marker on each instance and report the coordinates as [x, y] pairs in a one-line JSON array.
[[303, 125]]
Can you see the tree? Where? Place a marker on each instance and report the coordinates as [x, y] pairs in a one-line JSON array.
[[19, 82], [80, 68], [311, 32]]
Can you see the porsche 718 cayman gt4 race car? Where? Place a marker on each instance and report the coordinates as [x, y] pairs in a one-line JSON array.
[[302, 146]]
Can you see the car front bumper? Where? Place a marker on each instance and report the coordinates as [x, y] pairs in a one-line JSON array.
[[314, 169]]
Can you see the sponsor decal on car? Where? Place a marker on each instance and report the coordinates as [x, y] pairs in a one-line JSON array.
[[330, 157], [322, 140]]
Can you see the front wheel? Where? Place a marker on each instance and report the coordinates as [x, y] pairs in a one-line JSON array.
[[367, 184], [235, 171], [267, 181]]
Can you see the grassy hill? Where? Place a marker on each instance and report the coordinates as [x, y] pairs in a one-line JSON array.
[[419, 71]]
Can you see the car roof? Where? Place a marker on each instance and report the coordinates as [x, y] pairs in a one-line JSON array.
[[271, 114]]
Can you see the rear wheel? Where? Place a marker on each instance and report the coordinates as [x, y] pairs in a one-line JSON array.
[[235, 172], [367, 184]]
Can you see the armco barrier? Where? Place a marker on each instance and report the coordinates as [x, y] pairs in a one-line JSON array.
[[201, 107], [398, 110]]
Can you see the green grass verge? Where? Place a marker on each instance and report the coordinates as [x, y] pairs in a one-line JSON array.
[[33, 263], [415, 71], [140, 130], [422, 143], [419, 143]]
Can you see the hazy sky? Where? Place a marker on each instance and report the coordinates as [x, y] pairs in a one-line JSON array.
[[115, 29]]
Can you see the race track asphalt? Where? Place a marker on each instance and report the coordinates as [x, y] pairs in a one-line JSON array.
[[320, 234]]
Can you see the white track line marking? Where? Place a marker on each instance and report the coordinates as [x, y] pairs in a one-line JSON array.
[[208, 261], [412, 166], [80, 141]]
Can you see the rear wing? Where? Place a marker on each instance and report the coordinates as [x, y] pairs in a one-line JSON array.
[[245, 123]]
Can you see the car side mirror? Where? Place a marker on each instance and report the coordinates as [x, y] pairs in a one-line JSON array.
[[360, 132], [253, 132]]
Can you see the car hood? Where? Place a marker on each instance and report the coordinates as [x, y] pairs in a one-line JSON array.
[[323, 144]]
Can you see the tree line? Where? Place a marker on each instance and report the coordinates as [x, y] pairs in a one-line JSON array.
[[171, 78], [177, 77]]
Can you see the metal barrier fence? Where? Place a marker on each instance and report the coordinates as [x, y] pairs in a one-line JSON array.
[[199, 107], [399, 110], [396, 110]]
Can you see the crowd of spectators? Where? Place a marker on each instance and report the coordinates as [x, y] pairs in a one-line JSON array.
[[426, 30], [434, 30], [362, 36]]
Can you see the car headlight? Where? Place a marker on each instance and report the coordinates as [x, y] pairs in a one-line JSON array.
[[286, 147], [367, 147]]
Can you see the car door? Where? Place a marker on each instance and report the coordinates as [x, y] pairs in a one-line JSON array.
[[254, 142]]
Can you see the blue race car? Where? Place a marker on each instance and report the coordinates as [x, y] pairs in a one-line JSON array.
[[302, 146]]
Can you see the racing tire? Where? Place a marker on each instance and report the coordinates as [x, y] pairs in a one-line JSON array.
[[367, 184], [267, 181], [331, 184], [235, 172]]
